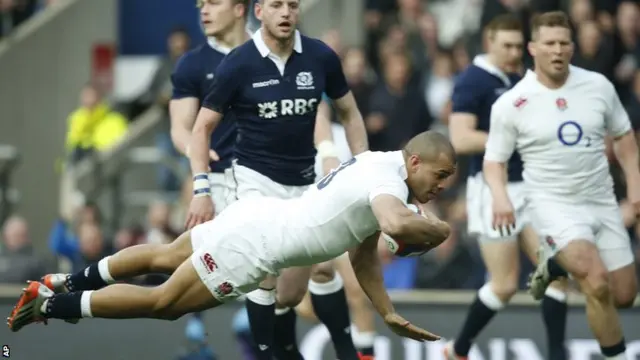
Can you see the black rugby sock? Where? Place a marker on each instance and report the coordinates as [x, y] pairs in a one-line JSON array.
[[554, 315], [330, 304], [615, 351], [261, 311], [87, 279], [555, 270], [285, 342], [64, 306], [481, 311]]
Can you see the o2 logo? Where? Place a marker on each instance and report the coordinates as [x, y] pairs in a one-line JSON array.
[[570, 133]]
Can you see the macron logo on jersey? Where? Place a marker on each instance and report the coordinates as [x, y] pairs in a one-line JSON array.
[[262, 84], [286, 107]]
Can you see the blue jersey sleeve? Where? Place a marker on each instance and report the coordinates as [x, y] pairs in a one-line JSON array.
[[225, 85], [184, 79], [336, 83], [465, 97]]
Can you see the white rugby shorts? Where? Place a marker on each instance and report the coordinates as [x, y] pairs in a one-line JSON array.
[[230, 253], [480, 213], [245, 182], [219, 191], [559, 223]]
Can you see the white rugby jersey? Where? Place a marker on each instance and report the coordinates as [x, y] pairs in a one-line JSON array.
[[559, 134], [335, 214]]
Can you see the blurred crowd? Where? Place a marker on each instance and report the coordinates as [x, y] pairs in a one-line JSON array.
[[15, 12]]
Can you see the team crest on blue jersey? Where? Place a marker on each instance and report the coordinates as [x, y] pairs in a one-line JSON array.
[[561, 103], [304, 80]]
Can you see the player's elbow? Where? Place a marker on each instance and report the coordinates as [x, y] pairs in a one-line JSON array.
[[393, 225]]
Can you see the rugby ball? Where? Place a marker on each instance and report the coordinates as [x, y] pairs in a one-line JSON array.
[[400, 248]]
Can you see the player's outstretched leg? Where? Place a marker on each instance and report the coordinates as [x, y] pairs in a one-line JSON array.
[[330, 304], [183, 293], [362, 314], [127, 263]]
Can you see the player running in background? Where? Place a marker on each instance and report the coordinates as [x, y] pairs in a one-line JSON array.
[[557, 118], [257, 237], [224, 23], [475, 91], [273, 85]]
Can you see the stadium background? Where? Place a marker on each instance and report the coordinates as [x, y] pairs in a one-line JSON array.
[[65, 202]]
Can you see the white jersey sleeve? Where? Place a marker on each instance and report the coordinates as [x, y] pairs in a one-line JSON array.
[[393, 187], [502, 134], [616, 118]]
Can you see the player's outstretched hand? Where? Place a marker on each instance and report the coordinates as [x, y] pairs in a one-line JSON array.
[[200, 210], [404, 328], [504, 219]]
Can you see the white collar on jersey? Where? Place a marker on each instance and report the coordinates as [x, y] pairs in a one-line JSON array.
[[264, 49], [215, 45], [482, 61], [402, 171], [531, 75]]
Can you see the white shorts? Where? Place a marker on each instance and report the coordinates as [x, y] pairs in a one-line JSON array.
[[230, 253], [245, 182], [219, 191], [560, 223], [480, 213]]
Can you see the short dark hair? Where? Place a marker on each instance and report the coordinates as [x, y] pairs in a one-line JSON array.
[[549, 19], [505, 22]]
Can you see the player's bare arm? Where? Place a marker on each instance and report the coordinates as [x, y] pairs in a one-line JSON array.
[[501, 144], [323, 138], [183, 113], [351, 118], [368, 270], [206, 122], [397, 221], [465, 137], [201, 208], [626, 152]]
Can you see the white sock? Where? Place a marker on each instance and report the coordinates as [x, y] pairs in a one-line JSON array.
[[489, 298], [103, 269], [332, 286], [262, 297], [364, 339], [282, 311], [85, 304], [556, 294]]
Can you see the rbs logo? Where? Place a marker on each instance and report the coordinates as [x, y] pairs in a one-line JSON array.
[[286, 107]]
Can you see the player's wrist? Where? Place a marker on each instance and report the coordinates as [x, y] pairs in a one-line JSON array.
[[201, 185]]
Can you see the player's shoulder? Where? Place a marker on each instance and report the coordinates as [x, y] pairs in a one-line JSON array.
[[316, 47], [190, 58], [389, 163], [472, 73], [593, 79], [518, 95]]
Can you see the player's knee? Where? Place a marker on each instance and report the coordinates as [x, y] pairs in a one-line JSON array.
[[504, 289], [291, 296], [625, 299], [595, 284], [323, 272]]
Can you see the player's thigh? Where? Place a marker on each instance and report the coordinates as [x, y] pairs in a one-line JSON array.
[[530, 242], [292, 285], [355, 295], [616, 252], [502, 260], [185, 292], [172, 255]]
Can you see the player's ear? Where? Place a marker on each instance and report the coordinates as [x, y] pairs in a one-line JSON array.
[[531, 46], [257, 8]]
